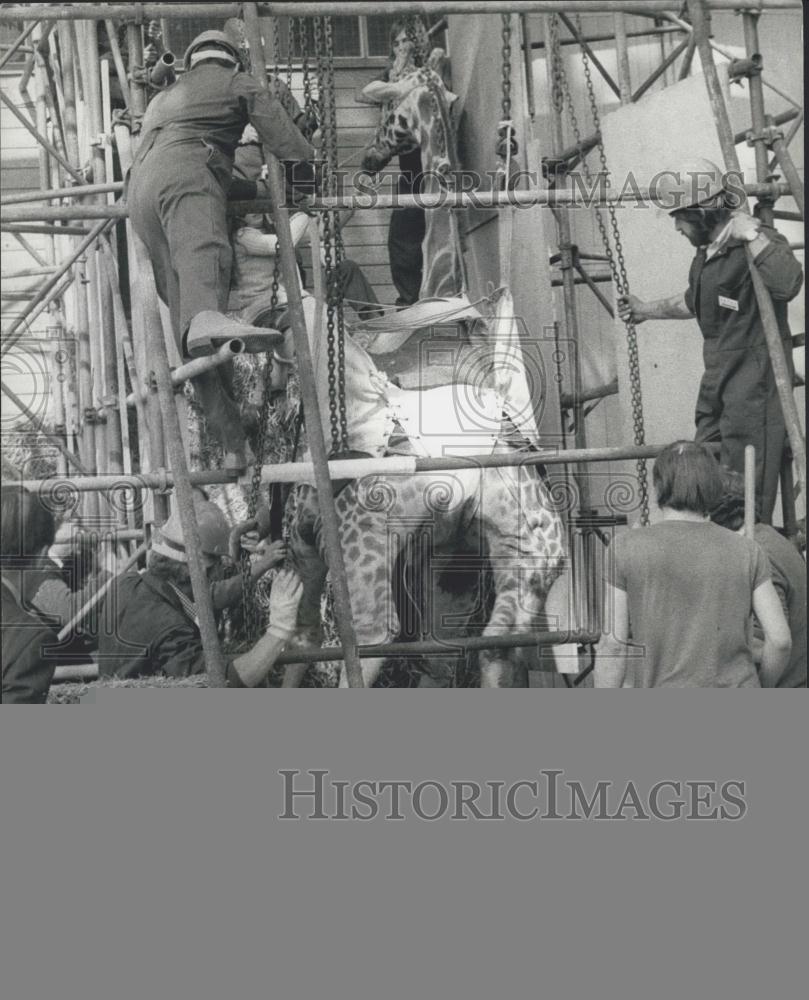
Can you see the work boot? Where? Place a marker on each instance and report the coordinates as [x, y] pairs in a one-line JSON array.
[[210, 329]]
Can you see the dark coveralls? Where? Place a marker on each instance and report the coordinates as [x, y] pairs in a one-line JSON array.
[[147, 631], [28, 660], [738, 401], [177, 195], [406, 234]]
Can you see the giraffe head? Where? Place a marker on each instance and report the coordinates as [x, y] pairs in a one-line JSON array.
[[420, 120]]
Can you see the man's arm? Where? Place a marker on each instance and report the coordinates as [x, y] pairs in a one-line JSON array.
[[610, 664], [272, 121], [380, 91], [777, 638], [777, 264], [252, 667], [631, 308], [259, 244]]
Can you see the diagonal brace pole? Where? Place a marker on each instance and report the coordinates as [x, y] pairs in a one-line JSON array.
[[54, 152]]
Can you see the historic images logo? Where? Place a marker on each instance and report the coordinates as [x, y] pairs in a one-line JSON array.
[[548, 795]]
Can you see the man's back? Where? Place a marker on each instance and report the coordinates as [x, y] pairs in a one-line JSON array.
[[146, 631], [689, 586], [789, 578]]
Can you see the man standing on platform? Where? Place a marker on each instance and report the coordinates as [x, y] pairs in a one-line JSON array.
[[738, 400]]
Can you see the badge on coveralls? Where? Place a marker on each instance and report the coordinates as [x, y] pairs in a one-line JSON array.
[[728, 303]]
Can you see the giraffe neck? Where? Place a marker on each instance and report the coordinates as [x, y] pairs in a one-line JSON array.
[[441, 274]]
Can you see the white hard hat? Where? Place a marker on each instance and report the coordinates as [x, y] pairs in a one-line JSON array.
[[694, 183], [211, 45], [213, 533]]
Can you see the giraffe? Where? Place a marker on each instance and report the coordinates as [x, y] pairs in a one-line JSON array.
[[506, 515], [422, 119]]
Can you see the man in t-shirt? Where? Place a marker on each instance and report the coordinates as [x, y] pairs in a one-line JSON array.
[[788, 572], [681, 593]]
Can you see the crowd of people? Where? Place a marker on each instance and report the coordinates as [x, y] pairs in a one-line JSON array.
[[689, 601]]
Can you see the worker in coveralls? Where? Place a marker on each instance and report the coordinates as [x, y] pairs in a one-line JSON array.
[[738, 401], [151, 623], [177, 195]]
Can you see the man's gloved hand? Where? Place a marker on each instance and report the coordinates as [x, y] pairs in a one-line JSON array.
[[744, 227], [741, 226], [285, 597]]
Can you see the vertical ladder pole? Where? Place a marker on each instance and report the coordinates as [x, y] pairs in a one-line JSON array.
[[700, 19], [184, 494], [87, 450], [137, 264], [580, 574], [759, 123], [308, 387]]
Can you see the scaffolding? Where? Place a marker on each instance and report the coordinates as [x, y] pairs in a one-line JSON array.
[[95, 454]]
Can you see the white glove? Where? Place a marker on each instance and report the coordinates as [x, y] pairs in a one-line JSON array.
[[285, 597], [740, 227], [744, 226]]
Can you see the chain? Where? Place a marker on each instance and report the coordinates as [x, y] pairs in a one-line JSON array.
[[307, 80], [332, 240], [276, 57], [505, 34], [339, 249], [617, 266], [506, 144], [248, 587]]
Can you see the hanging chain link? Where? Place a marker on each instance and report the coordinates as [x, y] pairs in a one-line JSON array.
[[505, 34], [332, 240], [506, 145], [307, 79], [249, 610], [339, 250], [617, 266]]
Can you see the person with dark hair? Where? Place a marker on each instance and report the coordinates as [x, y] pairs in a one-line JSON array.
[[407, 226], [680, 594], [788, 571], [149, 622], [255, 247], [27, 530], [738, 400], [177, 193]]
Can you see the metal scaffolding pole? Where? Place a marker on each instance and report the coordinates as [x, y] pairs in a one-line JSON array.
[[781, 372], [214, 660], [308, 387], [512, 198], [356, 468], [304, 8]]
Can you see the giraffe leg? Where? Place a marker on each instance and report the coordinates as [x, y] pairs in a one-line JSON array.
[[312, 570], [524, 539], [370, 555], [496, 666]]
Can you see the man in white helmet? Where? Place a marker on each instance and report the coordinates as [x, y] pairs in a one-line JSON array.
[[149, 622], [177, 193], [738, 401]]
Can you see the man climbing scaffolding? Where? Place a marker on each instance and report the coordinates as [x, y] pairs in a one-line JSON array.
[[177, 195]]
